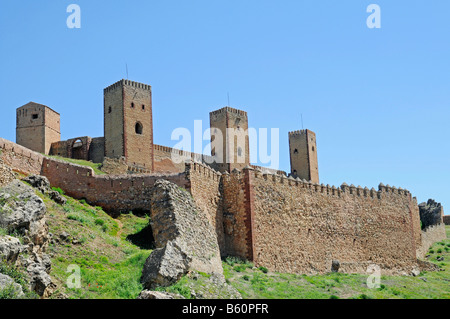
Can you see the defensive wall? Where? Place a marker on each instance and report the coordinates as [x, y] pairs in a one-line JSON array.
[[286, 224]]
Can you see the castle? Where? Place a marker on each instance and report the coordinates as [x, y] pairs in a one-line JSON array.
[[286, 222]]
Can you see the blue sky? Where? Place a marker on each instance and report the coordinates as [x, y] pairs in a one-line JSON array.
[[378, 99]]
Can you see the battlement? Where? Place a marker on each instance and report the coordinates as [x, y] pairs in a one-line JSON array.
[[340, 191], [123, 82], [229, 109], [299, 132]]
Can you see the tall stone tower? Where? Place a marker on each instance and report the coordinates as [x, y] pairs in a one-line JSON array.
[[229, 139], [303, 154], [37, 127], [128, 123]]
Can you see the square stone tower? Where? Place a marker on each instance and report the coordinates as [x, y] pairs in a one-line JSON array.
[[37, 127], [303, 154], [229, 139], [128, 123]]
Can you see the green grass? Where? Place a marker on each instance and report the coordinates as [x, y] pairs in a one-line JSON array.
[[110, 265], [257, 283], [94, 166]]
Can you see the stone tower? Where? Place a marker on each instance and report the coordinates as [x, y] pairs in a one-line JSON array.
[[128, 123], [37, 127], [229, 139], [303, 154]]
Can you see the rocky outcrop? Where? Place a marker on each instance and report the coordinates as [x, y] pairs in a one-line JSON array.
[[184, 238], [22, 213], [147, 294], [430, 213], [43, 185], [7, 283], [10, 248]]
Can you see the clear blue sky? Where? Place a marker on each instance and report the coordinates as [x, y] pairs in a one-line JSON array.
[[378, 99]]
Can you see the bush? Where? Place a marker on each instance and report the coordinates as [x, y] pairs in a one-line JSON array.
[[59, 190], [431, 251], [263, 269], [439, 251], [334, 297], [246, 277], [99, 221]]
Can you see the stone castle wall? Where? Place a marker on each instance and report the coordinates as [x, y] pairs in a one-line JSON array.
[[281, 223], [446, 219], [205, 187], [296, 227], [430, 235]]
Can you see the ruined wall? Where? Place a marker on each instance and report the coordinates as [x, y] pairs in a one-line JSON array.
[[446, 219], [97, 150], [163, 159], [19, 158], [301, 227], [430, 235], [205, 187], [116, 194]]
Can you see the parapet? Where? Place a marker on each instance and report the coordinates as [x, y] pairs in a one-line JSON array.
[[123, 82], [229, 109], [300, 132]]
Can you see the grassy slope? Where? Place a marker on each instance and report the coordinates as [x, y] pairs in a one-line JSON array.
[[254, 283], [113, 264], [94, 166], [110, 265]]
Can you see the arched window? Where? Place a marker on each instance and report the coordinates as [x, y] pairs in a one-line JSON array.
[[296, 151], [143, 107], [132, 105], [239, 151], [138, 128], [109, 109]]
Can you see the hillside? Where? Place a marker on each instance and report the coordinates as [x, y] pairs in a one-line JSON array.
[[111, 254]]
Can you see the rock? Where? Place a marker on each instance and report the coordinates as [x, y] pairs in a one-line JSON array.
[[184, 238], [40, 281], [40, 182], [10, 248], [415, 272], [424, 279], [147, 294], [165, 266], [64, 236], [7, 282], [43, 185], [23, 211], [440, 259], [335, 264]]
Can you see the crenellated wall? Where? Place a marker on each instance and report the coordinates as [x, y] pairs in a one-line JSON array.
[[299, 227], [285, 224]]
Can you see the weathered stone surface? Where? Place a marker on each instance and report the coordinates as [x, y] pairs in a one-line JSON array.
[[6, 174], [183, 236], [147, 294], [10, 248], [43, 185], [22, 212], [430, 213], [6, 282]]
